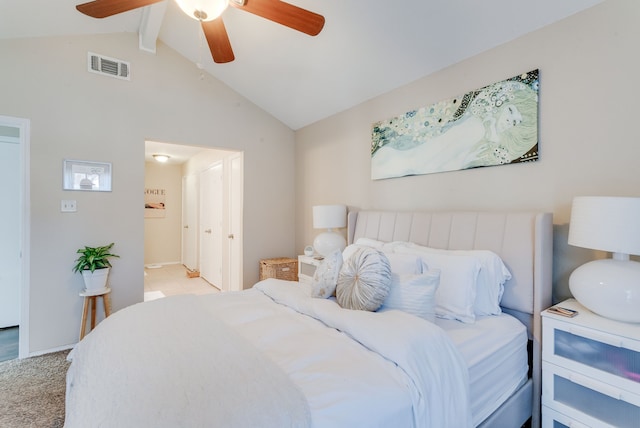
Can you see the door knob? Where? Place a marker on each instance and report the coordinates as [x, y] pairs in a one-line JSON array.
[[186, 226], [207, 231], [231, 236]]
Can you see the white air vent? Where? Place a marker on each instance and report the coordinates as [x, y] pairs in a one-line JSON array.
[[109, 66]]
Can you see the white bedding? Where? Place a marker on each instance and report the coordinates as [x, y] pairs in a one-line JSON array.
[[495, 351], [354, 368]]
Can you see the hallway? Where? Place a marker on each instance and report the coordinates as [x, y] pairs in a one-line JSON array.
[[171, 280]]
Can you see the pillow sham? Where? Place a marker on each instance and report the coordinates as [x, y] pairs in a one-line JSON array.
[[364, 280], [400, 263], [456, 293], [349, 250], [325, 277], [405, 263], [414, 294], [491, 279], [368, 242]]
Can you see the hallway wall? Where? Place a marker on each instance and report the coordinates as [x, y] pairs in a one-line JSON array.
[[163, 235]]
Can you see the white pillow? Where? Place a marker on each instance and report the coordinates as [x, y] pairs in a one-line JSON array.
[[415, 294], [364, 280], [349, 250], [456, 294], [325, 277], [400, 263], [493, 274], [368, 242], [405, 263]]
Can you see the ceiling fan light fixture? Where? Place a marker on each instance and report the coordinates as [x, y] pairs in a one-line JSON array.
[[203, 10]]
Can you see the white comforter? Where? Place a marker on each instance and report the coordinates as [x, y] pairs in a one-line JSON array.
[[156, 365]]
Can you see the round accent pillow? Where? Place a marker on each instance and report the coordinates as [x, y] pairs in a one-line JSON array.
[[364, 280]]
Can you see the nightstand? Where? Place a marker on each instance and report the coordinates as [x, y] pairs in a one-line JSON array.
[[307, 266], [590, 370]]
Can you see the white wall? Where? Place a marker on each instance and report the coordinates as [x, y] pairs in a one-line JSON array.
[[587, 138], [80, 115]]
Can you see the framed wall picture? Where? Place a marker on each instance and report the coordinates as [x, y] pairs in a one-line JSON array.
[[86, 175], [154, 203], [493, 125]]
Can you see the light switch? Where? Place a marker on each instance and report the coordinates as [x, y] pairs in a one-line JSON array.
[[68, 206]]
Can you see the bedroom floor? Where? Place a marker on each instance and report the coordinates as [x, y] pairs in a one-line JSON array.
[[170, 280]]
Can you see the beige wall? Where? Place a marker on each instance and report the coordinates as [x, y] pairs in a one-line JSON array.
[[80, 115], [163, 235], [588, 142]]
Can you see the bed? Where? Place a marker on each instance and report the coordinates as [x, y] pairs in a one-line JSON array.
[[272, 356]]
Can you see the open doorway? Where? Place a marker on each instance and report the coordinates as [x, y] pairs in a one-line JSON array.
[[14, 245], [178, 219]]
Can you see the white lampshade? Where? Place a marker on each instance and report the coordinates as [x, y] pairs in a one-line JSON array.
[[606, 223], [329, 217], [608, 287], [203, 10]]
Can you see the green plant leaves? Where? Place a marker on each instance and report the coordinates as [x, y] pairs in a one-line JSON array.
[[93, 258]]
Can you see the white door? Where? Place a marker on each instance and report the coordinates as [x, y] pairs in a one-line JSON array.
[[190, 196], [16, 262], [10, 226], [235, 221], [211, 209]]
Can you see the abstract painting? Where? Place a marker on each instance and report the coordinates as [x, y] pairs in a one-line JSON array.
[[493, 125]]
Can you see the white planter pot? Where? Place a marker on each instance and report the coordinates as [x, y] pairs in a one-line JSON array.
[[96, 280]]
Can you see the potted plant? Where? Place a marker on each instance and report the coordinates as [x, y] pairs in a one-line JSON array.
[[94, 265]]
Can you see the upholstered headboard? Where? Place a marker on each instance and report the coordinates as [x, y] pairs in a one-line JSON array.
[[524, 241]]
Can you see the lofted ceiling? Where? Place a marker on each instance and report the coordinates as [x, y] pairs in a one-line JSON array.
[[366, 48]]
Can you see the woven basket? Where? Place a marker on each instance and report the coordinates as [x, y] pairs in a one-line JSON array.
[[280, 268]]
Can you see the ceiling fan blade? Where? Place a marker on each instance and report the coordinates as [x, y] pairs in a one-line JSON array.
[[284, 13], [218, 40], [105, 8]]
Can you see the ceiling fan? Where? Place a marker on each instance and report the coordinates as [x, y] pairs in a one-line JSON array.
[[209, 12]]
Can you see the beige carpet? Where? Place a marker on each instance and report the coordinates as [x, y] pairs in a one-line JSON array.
[[32, 391]]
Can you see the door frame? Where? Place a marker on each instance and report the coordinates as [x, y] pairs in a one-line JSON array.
[[190, 230], [234, 222], [24, 182]]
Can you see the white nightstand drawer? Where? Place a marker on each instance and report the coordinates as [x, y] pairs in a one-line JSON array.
[[603, 356], [307, 266], [587, 400], [553, 419], [307, 269]]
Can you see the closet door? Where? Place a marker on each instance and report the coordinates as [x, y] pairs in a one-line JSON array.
[[10, 228], [211, 210]]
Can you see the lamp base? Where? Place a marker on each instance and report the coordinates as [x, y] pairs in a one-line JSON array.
[[608, 287], [327, 242]]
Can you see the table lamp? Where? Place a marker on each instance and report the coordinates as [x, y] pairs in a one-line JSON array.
[[329, 217], [608, 287]]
